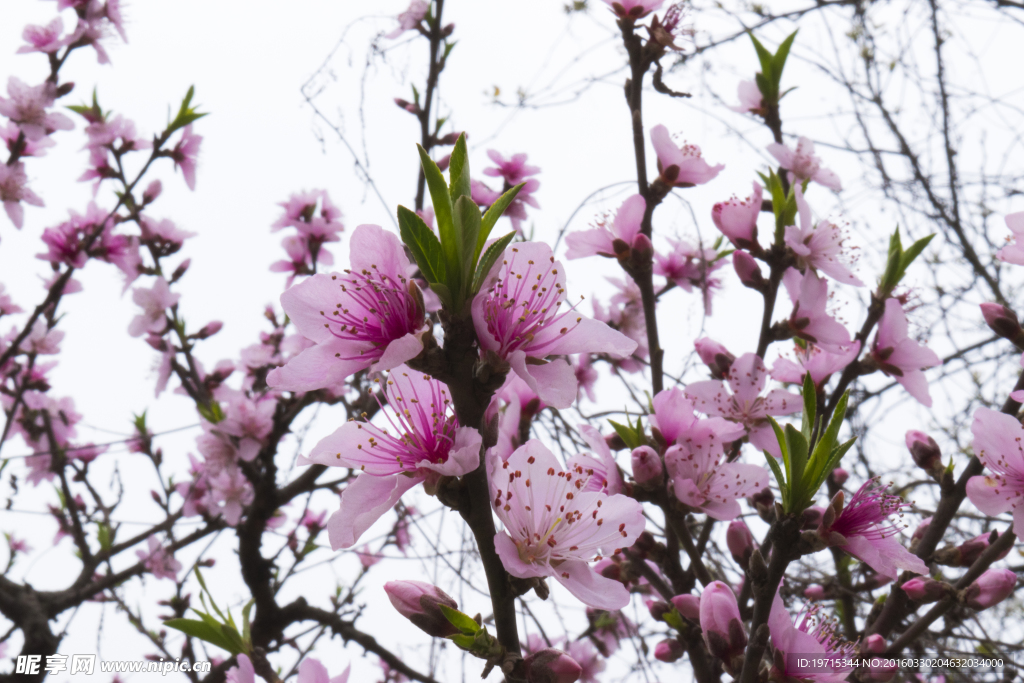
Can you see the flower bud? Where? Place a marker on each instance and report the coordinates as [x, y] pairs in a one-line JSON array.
[[880, 668], [641, 251], [814, 592], [1003, 322], [812, 517], [688, 605], [721, 621], [450, 139], [210, 329], [715, 356], [180, 270], [443, 162], [609, 569], [920, 530], [965, 554], [645, 543], [840, 476], [420, 603], [668, 650], [747, 269], [990, 589], [924, 590], [740, 542], [926, 453], [647, 467], [658, 609], [551, 666], [152, 191], [410, 107]]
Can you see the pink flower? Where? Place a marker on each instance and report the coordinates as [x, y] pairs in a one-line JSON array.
[[803, 164], [863, 530], [312, 671], [368, 317], [680, 167], [647, 467], [1014, 252], [722, 624], [300, 212], [482, 194], [243, 673], [600, 470], [185, 154], [715, 356], [18, 545], [614, 242], [410, 18], [819, 246], [816, 643], [991, 588], [900, 356], [154, 301], [159, 562], [249, 421], [633, 9], [554, 528], [7, 306], [518, 318], [815, 360], [29, 148], [750, 98], [809, 320], [586, 376], [514, 170], [423, 444], [27, 107], [814, 592], [688, 267], [45, 39], [625, 313], [998, 440], [367, 558], [744, 403], [14, 190], [737, 219], [230, 491]]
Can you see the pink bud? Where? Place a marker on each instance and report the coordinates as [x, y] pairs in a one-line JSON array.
[[420, 602], [747, 269], [990, 589], [210, 329], [551, 666], [926, 453], [720, 618], [715, 356], [1003, 322], [967, 552], [609, 569], [879, 668], [688, 605], [658, 609], [152, 191], [647, 467], [840, 476], [924, 590], [443, 162], [921, 528], [814, 592], [812, 516], [740, 542], [668, 650]]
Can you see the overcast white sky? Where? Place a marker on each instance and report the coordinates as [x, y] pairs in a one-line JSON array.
[[248, 62]]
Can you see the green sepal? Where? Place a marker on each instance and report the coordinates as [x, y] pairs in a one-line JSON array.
[[674, 619], [463, 641], [423, 244], [463, 622], [487, 261], [492, 215]]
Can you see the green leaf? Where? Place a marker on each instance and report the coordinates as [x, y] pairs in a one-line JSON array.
[[911, 253], [423, 243], [492, 215], [797, 446], [246, 632], [463, 622], [467, 228], [780, 436], [763, 56], [783, 488], [779, 60], [104, 536], [810, 395], [444, 294], [629, 435], [459, 170], [674, 619], [235, 640], [488, 260], [203, 631], [443, 213]]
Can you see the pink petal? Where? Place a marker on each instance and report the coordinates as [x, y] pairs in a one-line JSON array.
[[668, 153], [590, 587], [990, 495], [554, 382], [397, 352], [783, 154], [588, 243], [362, 503], [509, 554], [318, 367], [464, 457], [629, 218], [312, 671], [373, 248]]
